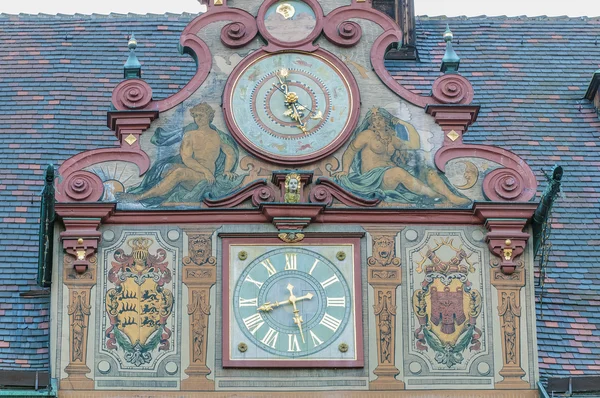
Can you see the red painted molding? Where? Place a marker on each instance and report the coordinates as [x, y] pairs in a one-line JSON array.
[[258, 190], [326, 190], [328, 215], [453, 117], [81, 236]]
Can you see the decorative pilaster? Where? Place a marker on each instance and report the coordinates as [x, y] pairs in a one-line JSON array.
[[80, 242], [385, 275], [509, 311], [507, 241], [199, 274], [78, 309]]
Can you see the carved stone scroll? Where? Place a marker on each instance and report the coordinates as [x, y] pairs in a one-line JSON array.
[[385, 275], [199, 274]]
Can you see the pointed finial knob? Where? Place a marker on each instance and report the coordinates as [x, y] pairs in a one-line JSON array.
[[132, 67], [132, 44], [451, 60], [448, 35]]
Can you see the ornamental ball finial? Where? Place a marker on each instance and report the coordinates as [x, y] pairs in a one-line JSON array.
[[448, 35], [132, 44]]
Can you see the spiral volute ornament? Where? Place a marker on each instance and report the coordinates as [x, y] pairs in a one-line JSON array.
[[504, 185], [350, 32], [83, 186], [262, 195], [320, 194], [237, 34], [132, 94], [452, 89]]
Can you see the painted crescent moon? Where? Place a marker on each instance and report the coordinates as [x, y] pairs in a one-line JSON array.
[[471, 175]]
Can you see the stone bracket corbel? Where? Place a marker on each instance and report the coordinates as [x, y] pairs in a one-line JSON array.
[[129, 125], [291, 217], [454, 120], [81, 236], [505, 224]]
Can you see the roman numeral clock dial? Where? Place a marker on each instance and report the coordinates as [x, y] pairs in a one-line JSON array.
[[292, 306]]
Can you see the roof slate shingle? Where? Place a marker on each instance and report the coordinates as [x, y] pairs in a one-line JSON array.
[[529, 76]]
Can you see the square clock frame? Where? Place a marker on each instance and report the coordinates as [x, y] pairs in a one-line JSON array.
[[292, 305]]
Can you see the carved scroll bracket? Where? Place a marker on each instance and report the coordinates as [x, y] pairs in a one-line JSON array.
[[129, 125], [199, 274], [505, 224], [385, 275], [81, 236]]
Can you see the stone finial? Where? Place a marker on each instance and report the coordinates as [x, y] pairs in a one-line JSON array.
[[451, 61], [132, 68]]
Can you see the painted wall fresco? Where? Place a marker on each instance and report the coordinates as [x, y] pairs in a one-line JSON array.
[[382, 161], [204, 166]]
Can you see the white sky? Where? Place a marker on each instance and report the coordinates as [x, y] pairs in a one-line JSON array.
[[423, 7]]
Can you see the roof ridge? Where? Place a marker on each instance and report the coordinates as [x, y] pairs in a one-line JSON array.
[[517, 17], [95, 15]]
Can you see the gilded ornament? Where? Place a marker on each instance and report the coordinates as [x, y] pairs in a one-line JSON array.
[[243, 347], [343, 347], [341, 256], [130, 139], [291, 237], [453, 135], [286, 10], [243, 255], [293, 186]]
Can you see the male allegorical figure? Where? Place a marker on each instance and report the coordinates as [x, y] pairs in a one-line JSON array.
[[379, 168], [196, 172]]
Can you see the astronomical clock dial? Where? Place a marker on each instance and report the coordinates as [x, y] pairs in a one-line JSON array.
[[291, 107], [292, 306]]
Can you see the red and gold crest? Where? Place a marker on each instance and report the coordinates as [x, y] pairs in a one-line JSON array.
[[447, 306]]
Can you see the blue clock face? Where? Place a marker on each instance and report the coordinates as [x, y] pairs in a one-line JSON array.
[[291, 107], [292, 302]]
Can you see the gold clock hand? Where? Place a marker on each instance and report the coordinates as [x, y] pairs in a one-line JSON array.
[[298, 321], [268, 306], [291, 99], [297, 317]]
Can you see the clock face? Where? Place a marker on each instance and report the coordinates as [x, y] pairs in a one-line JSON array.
[[291, 107], [292, 306]]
